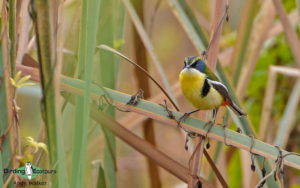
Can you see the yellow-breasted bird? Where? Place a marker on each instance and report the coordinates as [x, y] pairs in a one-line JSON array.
[[203, 89]]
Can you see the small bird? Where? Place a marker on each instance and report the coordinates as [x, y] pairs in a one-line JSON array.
[[203, 90]]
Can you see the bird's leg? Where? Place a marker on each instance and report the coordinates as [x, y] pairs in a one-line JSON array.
[[210, 123], [212, 119], [185, 115]]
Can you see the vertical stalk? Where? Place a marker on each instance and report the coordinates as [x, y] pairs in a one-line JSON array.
[[216, 33], [143, 83], [107, 72], [87, 43], [41, 11], [6, 106], [12, 35], [46, 59], [195, 162]]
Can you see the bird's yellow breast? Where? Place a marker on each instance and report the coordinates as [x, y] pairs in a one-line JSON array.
[[192, 82]]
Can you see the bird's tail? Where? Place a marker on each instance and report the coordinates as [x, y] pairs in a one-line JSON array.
[[237, 110]]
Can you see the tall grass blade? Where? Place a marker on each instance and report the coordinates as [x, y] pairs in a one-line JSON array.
[[107, 69], [6, 112], [12, 35], [50, 86], [87, 43], [119, 22], [71, 37]]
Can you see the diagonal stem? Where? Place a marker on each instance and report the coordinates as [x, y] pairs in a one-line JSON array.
[[195, 162]]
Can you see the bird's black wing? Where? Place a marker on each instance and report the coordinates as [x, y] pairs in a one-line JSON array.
[[221, 89], [224, 92]]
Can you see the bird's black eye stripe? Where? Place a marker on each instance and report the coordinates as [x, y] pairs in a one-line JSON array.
[[193, 65]]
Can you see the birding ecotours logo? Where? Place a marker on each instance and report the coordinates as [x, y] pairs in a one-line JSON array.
[[29, 171]]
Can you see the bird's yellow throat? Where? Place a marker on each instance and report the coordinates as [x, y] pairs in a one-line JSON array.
[[192, 82]]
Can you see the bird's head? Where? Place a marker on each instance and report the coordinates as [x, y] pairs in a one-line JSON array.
[[194, 63]]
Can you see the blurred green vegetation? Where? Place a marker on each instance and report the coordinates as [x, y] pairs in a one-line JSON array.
[[289, 5], [278, 53], [234, 168]]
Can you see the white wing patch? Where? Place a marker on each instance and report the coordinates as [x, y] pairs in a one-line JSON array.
[[217, 83]]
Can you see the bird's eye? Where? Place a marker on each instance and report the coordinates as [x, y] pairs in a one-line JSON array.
[[193, 64]]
